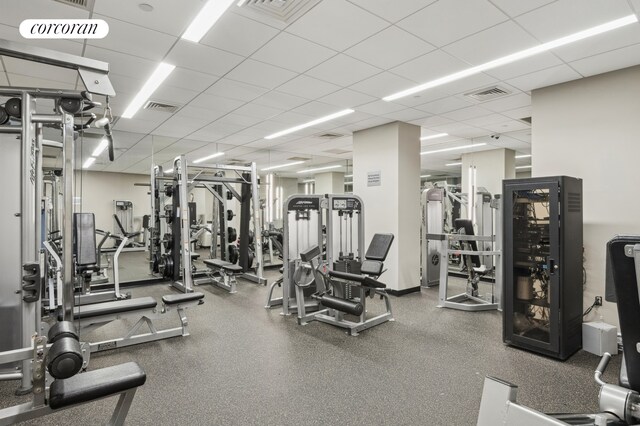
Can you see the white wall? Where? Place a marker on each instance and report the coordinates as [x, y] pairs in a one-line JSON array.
[[491, 168], [329, 183], [394, 206], [589, 129]]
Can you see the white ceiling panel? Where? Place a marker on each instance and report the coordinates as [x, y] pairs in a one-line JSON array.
[[487, 120], [16, 11], [518, 113], [235, 90], [380, 107], [507, 126], [190, 80], [444, 22], [280, 100], [428, 67], [170, 17], [616, 39], [460, 129], [308, 87], [27, 81], [470, 84], [36, 70], [347, 98], [495, 42], [260, 74], [136, 126], [525, 66], [238, 34], [121, 63], [173, 95], [293, 53], [467, 113], [609, 61], [544, 78], [331, 24], [506, 103], [148, 44], [518, 7], [201, 58], [180, 126], [214, 132], [239, 119], [218, 105], [443, 105], [258, 111], [11, 32], [432, 121], [408, 114], [343, 70], [392, 11], [565, 17], [383, 84], [381, 49]]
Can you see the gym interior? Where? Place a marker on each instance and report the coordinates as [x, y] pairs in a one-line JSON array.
[[387, 212]]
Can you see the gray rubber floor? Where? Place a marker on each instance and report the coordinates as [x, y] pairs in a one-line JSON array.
[[244, 364]]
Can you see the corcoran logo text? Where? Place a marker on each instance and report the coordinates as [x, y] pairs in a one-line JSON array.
[[64, 28]]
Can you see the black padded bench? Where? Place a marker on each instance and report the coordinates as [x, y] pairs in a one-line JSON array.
[[112, 308], [227, 271], [363, 280], [224, 265], [177, 299]]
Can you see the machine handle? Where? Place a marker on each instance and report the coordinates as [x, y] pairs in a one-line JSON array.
[[604, 361]]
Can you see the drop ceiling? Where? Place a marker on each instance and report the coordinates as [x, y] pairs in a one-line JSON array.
[[254, 74]]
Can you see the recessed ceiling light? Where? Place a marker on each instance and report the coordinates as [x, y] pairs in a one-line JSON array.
[[453, 148], [459, 163], [282, 165], [88, 162], [206, 18], [523, 167], [523, 156], [581, 35], [425, 176], [319, 169], [311, 123], [155, 80], [145, 7], [100, 148], [438, 135], [209, 157]]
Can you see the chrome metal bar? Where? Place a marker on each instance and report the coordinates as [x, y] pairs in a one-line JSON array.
[[68, 155], [10, 129], [257, 228], [46, 118]]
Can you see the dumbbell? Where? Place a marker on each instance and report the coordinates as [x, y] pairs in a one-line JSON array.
[[65, 355]]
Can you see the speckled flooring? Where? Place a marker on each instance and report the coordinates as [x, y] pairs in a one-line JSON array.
[[244, 364]]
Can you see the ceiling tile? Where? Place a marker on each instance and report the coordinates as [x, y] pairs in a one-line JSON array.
[[293, 53], [544, 78], [507, 126], [343, 70], [392, 11], [460, 129], [467, 113], [381, 49], [10, 32], [347, 98], [214, 132], [565, 17], [202, 58], [260, 74], [406, 115], [525, 66], [383, 84], [180, 126], [136, 126], [444, 22], [37, 70], [518, 113], [316, 109], [148, 44], [218, 105], [258, 111], [280, 100], [609, 61], [173, 95], [495, 42], [308, 87], [444, 105], [16, 11], [517, 100], [21, 80], [238, 34], [167, 16], [429, 122], [235, 90], [122, 63], [613, 40], [190, 80], [380, 107], [331, 24], [486, 120], [518, 7], [430, 66], [470, 84]]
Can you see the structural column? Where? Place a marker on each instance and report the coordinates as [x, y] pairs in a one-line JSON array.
[[386, 175], [329, 183], [488, 169]]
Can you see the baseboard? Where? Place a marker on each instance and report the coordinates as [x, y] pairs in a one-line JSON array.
[[404, 291]]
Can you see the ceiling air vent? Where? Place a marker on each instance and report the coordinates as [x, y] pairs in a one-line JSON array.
[[329, 136], [282, 10], [298, 159], [81, 4], [160, 106], [235, 162], [488, 93]]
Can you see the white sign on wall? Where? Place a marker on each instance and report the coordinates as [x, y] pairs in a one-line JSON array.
[[374, 178]]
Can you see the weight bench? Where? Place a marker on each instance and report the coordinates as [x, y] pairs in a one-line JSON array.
[[226, 273], [92, 317]]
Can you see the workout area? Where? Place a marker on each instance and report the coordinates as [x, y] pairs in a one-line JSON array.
[[306, 212]]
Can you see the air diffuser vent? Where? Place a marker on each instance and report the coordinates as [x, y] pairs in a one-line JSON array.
[[282, 10], [488, 93], [81, 4], [329, 136], [159, 106], [298, 159]]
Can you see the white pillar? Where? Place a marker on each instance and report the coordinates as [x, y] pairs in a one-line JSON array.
[[491, 168], [386, 175], [329, 183]]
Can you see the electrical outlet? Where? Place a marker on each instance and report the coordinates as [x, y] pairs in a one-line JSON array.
[[598, 301]]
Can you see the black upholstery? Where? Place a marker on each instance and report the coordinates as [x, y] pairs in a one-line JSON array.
[[342, 305], [310, 253], [467, 225], [84, 239], [223, 264], [174, 299], [623, 273], [96, 384], [371, 267], [379, 247], [117, 307], [362, 279]]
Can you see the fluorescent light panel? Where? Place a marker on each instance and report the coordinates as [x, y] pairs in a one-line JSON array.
[[436, 136], [348, 176], [294, 163], [311, 123], [454, 148], [155, 80], [459, 163], [581, 35], [100, 148], [203, 159], [206, 18], [523, 156], [523, 167], [88, 162], [319, 169], [425, 176]]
